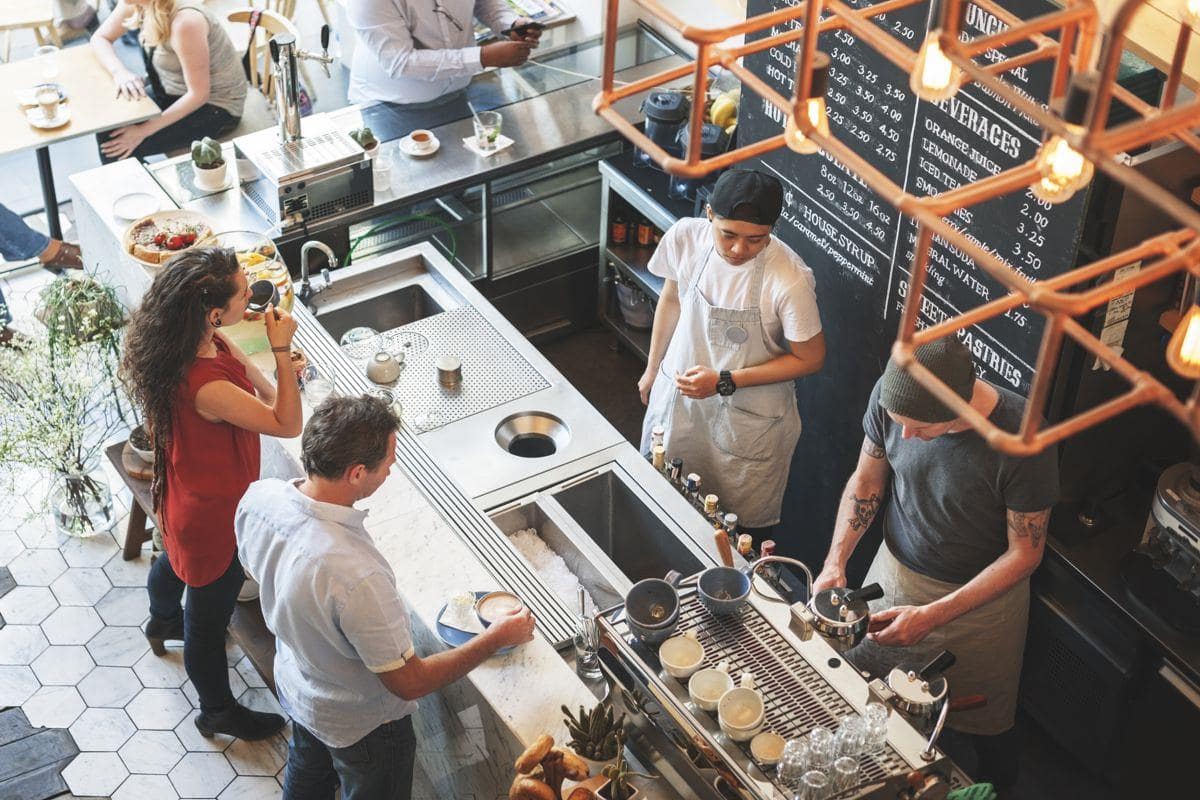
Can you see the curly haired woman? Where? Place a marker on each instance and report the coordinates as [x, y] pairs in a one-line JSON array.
[[206, 405]]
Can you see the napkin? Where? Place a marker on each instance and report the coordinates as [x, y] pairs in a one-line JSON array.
[[502, 142], [460, 619]]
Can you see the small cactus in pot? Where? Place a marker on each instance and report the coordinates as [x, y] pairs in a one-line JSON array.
[[366, 139], [209, 163], [596, 734], [620, 775]]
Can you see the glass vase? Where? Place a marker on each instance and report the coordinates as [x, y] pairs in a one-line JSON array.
[[81, 504]]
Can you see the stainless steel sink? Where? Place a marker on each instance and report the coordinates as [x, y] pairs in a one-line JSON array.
[[382, 312]]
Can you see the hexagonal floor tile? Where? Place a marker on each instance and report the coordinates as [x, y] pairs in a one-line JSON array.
[[40, 532], [53, 707], [162, 672], [102, 729], [95, 774], [247, 788], [194, 742], [124, 606], [261, 700], [71, 625], [63, 665], [27, 605], [17, 684], [249, 674], [118, 646], [21, 644], [264, 757], [128, 573], [158, 709], [151, 752], [233, 653], [237, 687], [37, 567], [145, 787], [94, 551], [201, 775], [109, 687], [81, 586], [11, 546]]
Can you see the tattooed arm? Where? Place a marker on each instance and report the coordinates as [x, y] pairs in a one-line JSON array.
[[860, 503], [1026, 542]]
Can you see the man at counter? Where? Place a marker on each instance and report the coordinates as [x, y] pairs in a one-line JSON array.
[[414, 52], [963, 530], [345, 667], [735, 325]]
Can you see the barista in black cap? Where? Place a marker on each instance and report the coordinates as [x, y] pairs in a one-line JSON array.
[[735, 325]]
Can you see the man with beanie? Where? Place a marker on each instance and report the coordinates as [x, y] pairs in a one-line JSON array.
[[963, 529], [735, 325]]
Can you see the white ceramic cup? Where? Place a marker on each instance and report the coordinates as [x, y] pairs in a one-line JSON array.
[[48, 100], [681, 655], [707, 686], [741, 711], [422, 140], [767, 748]]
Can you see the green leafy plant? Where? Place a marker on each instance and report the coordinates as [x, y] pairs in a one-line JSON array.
[[206, 153], [619, 775], [595, 734], [365, 137]]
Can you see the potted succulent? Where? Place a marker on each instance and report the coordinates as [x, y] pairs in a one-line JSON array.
[[619, 775], [366, 140], [209, 164], [596, 734]]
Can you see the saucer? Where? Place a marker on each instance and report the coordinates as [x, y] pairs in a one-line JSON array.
[[453, 637], [409, 149], [35, 118], [135, 206], [28, 97]]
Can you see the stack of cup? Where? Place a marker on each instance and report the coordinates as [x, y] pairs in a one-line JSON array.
[[875, 723]]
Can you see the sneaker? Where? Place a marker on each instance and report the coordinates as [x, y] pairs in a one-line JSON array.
[[240, 722], [249, 590]]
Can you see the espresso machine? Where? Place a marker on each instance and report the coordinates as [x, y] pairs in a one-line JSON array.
[[1163, 573]]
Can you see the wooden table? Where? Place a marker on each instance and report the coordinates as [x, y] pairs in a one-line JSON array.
[[91, 97], [36, 15]]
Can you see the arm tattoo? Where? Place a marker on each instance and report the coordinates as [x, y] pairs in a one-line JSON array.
[[864, 511], [1031, 525], [872, 449]]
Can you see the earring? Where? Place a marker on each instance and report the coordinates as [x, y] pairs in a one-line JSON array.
[[217, 322]]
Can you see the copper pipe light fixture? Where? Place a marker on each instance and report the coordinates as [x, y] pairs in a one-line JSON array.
[[1077, 141]]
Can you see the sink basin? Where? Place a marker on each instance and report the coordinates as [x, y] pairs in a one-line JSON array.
[[382, 312]]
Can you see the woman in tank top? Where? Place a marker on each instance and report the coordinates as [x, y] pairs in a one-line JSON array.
[[206, 405], [195, 76]]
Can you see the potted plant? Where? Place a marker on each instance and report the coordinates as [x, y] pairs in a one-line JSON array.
[[209, 164], [619, 774], [596, 734], [366, 140]]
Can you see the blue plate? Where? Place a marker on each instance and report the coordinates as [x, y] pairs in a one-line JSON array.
[[453, 637]]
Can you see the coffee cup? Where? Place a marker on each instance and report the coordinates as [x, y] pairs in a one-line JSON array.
[[422, 140], [681, 655], [741, 711], [707, 686], [723, 590], [48, 99], [494, 605], [652, 608]]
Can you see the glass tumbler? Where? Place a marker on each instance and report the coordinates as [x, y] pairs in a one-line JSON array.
[[845, 774], [487, 129], [875, 720], [851, 736], [47, 58], [793, 763], [822, 748], [814, 785]]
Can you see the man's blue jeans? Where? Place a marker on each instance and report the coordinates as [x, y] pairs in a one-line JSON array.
[[18, 241], [378, 766]]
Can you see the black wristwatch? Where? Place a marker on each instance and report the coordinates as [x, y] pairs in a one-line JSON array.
[[725, 384]]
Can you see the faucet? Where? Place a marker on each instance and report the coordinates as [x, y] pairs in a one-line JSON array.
[[307, 292]]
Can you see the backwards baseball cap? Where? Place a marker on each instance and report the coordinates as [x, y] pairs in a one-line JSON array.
[[747, 196], [949, 360]]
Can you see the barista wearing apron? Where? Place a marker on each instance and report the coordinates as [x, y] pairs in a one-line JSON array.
[[735, 325], [963, 529]]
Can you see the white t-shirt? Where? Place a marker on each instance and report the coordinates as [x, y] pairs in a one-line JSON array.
[[789, 299]]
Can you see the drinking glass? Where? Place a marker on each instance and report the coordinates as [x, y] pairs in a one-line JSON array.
[[845, 774], [389, 397], [875, 719], [487, 129], [822, 748], [814, 785], [793, 763], [851, 736], [381, 169], [316, 387], [47, 56]]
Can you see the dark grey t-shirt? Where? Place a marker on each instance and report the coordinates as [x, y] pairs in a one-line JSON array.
[[946, 516]]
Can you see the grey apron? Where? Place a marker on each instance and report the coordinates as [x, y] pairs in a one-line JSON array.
[[988, 642], [742, 445]]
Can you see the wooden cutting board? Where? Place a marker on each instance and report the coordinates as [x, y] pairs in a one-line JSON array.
[[135, 465]]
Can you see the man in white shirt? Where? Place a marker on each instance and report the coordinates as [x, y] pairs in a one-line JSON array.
[[345, 667], [415, 51]]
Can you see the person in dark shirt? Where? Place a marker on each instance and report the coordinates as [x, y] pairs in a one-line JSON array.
[[964, 527]]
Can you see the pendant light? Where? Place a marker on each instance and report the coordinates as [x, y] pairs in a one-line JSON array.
[[935, 77], [1191, 13], [1183, 351], [814, 109], [1064, 169]]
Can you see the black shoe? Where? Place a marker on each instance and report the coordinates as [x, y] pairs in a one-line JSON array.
[[158, 631], [240, 722]]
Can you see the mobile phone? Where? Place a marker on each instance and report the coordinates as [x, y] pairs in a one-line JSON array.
[[523, 28]]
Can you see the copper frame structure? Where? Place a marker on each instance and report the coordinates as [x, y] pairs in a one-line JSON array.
[[1059, 299]]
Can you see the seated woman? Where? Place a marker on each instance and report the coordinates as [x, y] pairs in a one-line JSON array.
[[195, 76]]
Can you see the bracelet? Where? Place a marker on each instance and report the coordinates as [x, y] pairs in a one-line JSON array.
[[287, 348]]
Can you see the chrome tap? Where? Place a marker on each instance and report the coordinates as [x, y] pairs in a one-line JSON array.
[[307, 292], [286, 55]]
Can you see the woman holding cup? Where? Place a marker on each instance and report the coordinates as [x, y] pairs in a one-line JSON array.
[[206, 405]]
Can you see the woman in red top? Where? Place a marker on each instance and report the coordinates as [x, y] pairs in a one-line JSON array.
[[206, 405]]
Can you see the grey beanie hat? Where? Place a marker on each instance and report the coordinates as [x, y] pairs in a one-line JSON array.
[[949, 360]]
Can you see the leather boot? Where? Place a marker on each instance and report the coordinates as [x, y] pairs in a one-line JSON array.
[[62, 256], [158, 631], [240, 722]]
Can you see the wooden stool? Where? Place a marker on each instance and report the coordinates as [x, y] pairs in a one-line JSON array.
[[36, 15], [136, 474]]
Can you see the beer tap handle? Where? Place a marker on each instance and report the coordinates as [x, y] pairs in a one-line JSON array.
[[325, 49], [274, 48]]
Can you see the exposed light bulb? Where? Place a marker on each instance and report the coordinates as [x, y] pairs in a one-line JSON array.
[[935, 77], [1191, 13], [814, 109], [1183, 352], [1064, 170]]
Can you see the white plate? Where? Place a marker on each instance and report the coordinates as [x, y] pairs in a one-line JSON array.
[[135, 206], [406, 146], [38, 120]]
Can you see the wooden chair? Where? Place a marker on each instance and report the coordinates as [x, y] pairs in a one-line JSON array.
[[287, 10], [35, 15], [269, 24]]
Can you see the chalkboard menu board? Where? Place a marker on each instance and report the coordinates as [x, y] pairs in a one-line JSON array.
[[860, 247]]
